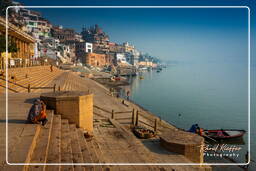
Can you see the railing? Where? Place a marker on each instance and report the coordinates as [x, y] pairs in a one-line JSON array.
[[53, 87], [21, 63], [135, 117]]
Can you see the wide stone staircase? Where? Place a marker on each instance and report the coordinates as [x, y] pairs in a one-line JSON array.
[[20, 78], [57, 142]]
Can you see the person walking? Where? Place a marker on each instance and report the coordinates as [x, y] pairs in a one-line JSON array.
[[128, 94], [51, 68]]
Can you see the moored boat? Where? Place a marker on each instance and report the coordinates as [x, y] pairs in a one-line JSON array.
[[142, 132], [223, 134]]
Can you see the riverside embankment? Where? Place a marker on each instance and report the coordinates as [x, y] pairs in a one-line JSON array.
[[113, 140]]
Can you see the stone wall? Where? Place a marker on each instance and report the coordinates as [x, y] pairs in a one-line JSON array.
[[77, 107], [185, 143]]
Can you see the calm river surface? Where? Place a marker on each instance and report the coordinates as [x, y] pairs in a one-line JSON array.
[[212, 95]]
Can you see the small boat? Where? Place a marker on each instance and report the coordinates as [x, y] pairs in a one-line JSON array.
[[223, 134], [144, 133], [158, 70], [141, 78]]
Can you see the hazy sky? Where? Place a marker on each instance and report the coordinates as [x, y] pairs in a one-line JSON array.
[[171, 34]]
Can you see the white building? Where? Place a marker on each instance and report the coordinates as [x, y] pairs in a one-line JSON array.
[[88, 47], [121, 58]]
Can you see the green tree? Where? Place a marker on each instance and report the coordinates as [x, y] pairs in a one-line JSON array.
[[12, 47]]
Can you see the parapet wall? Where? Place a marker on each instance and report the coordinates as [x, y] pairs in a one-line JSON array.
[[75, 106], [181, 142]]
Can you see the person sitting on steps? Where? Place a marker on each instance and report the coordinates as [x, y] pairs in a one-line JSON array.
[[37, 113]]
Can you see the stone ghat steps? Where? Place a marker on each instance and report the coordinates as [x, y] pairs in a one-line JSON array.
[[73, 82], [40, 76], [25, 146], [60, 142]]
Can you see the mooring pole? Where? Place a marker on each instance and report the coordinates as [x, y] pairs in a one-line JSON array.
[[133, 114], [54, 87], [155, 126], [137, 118], [112, 116], [29, 88]]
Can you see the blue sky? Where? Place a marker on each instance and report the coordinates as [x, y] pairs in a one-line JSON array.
[[170, 34]]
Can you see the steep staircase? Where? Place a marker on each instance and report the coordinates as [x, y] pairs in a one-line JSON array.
[[57, 142]]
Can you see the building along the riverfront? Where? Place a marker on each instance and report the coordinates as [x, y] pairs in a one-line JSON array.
[[24, 42]]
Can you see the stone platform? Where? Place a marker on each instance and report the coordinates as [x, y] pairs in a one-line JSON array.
[[76, 106], [185, 143]]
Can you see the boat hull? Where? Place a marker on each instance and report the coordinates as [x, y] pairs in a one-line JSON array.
[[227, 134]]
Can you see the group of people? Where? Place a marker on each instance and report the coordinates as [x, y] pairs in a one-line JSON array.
[[196, 129]]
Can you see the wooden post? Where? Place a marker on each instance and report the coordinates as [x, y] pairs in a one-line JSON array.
[[113, 112], [137, 118], [59, 88], [29, 88], [54, 87], [133, 114], [155, 126]]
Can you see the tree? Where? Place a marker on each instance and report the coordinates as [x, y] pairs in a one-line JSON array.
[[12, 47]]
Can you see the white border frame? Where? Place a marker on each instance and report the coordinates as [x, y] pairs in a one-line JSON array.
[[123, 164]]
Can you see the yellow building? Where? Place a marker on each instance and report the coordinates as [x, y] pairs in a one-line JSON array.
[[24, 42]]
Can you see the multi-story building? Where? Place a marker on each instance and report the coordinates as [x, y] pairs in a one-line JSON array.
[[116, 48], [98, 38], [81, 48], [24, 42], [65, 35], [135, 57], [96, 60], [128, 47], [35, 23], [78, 37]]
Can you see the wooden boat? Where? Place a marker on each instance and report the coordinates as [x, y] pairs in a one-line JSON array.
[[221, 134], [142, 132]]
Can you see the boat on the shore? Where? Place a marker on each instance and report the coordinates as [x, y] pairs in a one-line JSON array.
[[223, 134], [144, 133]]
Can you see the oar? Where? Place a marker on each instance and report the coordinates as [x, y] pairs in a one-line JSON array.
[[210, 138]]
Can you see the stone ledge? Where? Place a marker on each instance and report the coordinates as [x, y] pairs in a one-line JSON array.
[[184, 143]]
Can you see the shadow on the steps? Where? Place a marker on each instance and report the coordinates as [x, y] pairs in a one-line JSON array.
[[31, 100], [154, 146], [15, 121]]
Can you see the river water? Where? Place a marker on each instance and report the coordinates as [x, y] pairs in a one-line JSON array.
[[213, 95]]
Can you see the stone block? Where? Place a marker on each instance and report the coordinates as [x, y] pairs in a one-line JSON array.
[[76, 106], [185, 143]]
